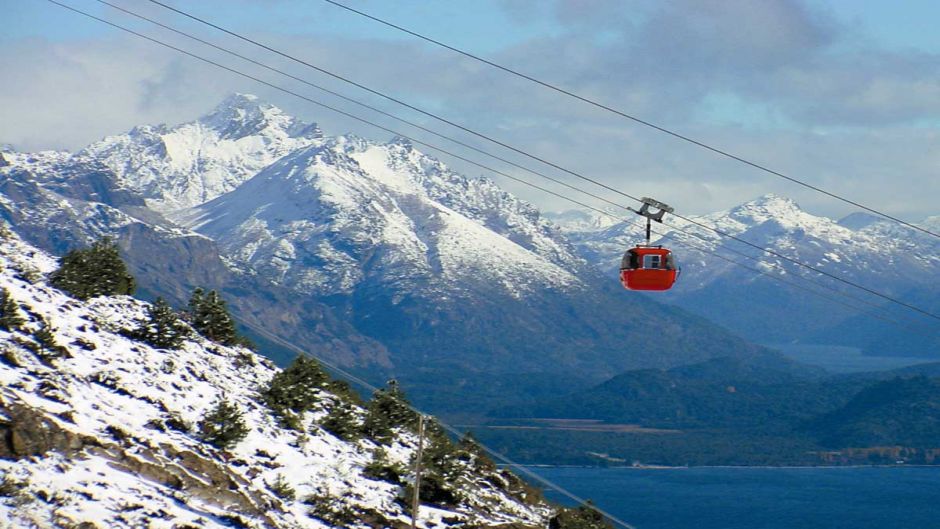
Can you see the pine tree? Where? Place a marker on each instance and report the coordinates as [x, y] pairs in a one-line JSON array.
[[10, 318], [210, 317], [162, 328], [295, 390], [388, 409], [195, 301], [342, 422], [94, 271], [469, 450], [223, 426]]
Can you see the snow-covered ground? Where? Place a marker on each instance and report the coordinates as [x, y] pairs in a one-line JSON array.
[[104, 435]]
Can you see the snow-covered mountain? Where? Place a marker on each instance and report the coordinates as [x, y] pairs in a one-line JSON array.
[[60, 202], [327, 218], [100, 432], [862, 248], [188, 164], [392, 260]]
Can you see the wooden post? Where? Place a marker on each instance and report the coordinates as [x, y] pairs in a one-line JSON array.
[[416, 493]]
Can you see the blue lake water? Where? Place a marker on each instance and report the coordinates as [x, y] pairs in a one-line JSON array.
[[759, 498]]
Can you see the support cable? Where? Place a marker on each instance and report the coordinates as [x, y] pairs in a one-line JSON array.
[[443, 136], [643, 122], [534, 157], [439, 149], [336, 369]]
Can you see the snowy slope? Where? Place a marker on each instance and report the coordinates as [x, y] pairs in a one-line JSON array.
[[94, 441], [60, 202]]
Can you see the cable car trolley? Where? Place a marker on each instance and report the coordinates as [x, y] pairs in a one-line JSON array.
[[648, 267]]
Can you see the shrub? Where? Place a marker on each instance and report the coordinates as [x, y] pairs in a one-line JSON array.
[[581, 517], [162, 328], [331, 510], [10, 318], [342, 421], [295, 390], [388, 409], [381, 469], [49, 348], [94, 271], [223, 426]]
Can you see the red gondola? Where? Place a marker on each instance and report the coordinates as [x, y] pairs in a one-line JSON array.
[[649, 267]]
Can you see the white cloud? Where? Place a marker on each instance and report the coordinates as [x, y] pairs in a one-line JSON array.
[[853, 120]]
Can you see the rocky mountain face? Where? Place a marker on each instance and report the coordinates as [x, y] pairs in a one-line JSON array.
[[864, 249], [101, 430], [374, 252]]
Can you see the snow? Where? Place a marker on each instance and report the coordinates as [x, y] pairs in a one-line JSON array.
[[311, 219], [114, 391]]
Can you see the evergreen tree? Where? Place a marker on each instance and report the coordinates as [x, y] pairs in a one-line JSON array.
[[442, 475], [195, 301], [469, 450], [223, 426], [282, 489], [295, 390], [387, 410], [210, 317], [10, 318], [94, 271], [342, 422], [162, 328]]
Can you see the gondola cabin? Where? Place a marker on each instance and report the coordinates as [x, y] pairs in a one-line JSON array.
[[648, 268]]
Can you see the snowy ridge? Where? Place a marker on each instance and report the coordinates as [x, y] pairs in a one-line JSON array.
[[106, 454], [186, 165], [865, 249], [424, 222], [324, 218], [855, 247]]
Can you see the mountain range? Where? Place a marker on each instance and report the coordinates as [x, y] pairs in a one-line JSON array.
[[875, 253], [374, 255]]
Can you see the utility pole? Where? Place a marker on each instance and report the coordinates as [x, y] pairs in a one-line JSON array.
[[416, 493]]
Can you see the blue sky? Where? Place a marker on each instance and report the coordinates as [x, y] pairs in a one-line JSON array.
[[845, 94]]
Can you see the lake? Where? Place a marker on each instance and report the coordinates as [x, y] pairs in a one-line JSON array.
[[840, 359], [759, 498]]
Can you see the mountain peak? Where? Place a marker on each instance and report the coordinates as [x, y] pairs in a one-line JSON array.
[[767, 207], [773, 200], [240, 115]]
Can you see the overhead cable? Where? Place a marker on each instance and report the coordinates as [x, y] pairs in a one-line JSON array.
[[532, 156], [636, 119], [443, 136], [357, 118]]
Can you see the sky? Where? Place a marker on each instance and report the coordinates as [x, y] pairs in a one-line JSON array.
[[842, 94]]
